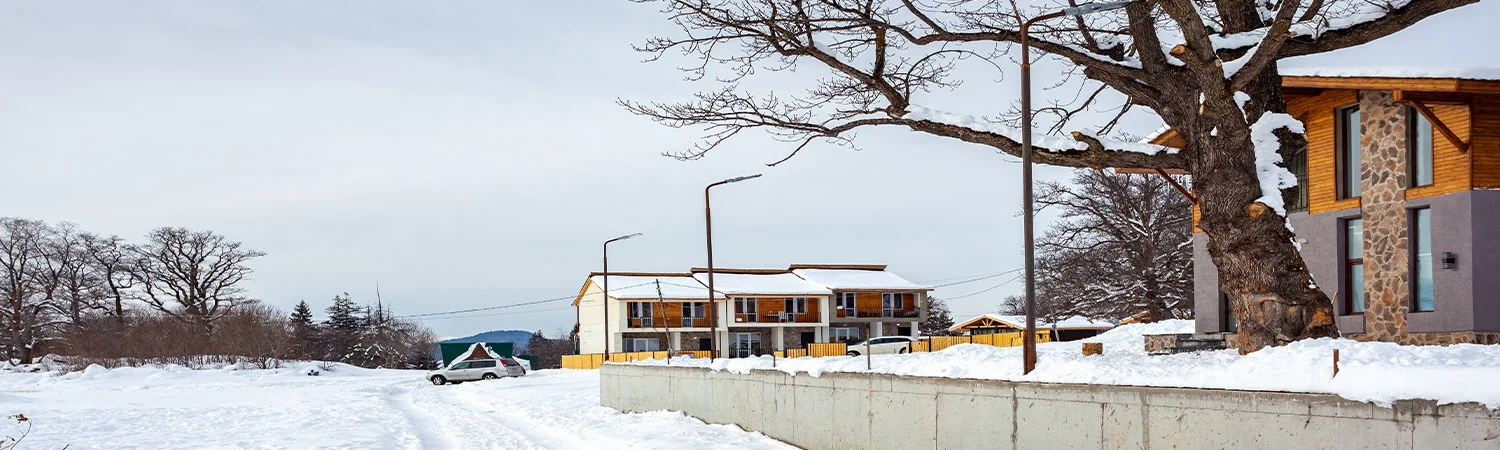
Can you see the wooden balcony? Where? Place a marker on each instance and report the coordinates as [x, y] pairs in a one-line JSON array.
[[669, 322]]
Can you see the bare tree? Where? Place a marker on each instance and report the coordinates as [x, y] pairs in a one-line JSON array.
[[112, 264], [28, 311], [1208, 69], [191, 276], [1122, 245], [67, 277]]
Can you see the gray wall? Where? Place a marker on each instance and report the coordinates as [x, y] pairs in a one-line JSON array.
[[851, 410], [1467, 298]]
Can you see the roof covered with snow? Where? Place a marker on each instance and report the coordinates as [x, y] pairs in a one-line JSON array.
[[635, 286], [1019, 321], [784, 283], [1466, 73], [856, 279]]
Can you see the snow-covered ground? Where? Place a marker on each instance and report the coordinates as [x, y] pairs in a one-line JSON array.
[[1369, 371], [349, 408]]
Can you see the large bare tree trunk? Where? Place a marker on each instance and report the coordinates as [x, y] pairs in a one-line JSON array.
[[1271, 293]]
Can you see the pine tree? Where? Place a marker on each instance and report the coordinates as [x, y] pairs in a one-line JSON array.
[[938, 318], [344, 314], [302, 315]]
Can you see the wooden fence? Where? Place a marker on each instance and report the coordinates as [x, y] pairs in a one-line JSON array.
[[594, 360], [927, 344]]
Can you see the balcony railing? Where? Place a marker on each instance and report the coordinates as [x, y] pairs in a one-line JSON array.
[[776, 318], [670, 322]]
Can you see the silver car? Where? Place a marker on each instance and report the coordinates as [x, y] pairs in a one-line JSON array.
[[476, 369]]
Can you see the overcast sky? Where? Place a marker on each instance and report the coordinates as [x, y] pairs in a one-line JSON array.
[[467, 154]]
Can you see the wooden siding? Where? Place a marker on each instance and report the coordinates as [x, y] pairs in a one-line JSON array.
[[1450, 167], [870, 305], [767, 309], [1317, 113], [1484, 147], [671, 316]]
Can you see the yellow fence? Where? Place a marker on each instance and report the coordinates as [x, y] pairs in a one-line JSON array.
[[1013, 339], [594, 360], [928, 344]]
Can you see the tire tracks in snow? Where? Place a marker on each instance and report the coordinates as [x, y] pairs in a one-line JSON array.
[[439, 423]]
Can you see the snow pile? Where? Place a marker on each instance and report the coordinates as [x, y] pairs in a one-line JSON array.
[[1041, 140], [762, 283], [1273, 177], [1369, 371], [855, 279]]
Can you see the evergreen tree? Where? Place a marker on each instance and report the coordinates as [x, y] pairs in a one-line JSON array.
[[302, 315], [938, 318], [344, 315]]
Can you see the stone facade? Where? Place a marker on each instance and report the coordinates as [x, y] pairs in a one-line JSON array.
[[1383, 185]]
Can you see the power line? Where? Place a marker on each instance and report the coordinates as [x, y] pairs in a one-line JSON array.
[[991, 288], [512, 305], [505, 313], [971, 280], [961, 277]]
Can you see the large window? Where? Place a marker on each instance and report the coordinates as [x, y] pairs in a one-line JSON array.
[[796, 305], [692, 310], [642, 345], [891, 303], [1347, 142], [844, 301], [746, 307], [1419, 148], [1421, 248], [1230, 326], [1354, 266], [1295, 197], [842, 334], [639, 313]]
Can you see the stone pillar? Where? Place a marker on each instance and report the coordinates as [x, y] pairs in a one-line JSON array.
[[1383, 182]]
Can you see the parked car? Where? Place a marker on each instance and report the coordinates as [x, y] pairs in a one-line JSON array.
[[476, 369], [881, 345]]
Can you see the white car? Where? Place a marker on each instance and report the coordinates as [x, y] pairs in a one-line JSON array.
[[476, 369], [881, 345]]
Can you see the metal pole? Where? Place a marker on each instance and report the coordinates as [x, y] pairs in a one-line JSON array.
[[713, 307], [708, 233], [606, 300], [1029, 340], [606, 291], [1028, 220]]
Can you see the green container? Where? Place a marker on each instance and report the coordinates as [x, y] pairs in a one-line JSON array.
[[454, 350]]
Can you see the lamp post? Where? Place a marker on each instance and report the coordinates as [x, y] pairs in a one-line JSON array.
[[1029, 340], [708, 232], [607, 339]]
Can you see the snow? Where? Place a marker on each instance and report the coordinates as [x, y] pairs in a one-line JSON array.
[[762, 283], [1273, 177], [1042, 140], [855, 279], [1467, 73], [1019, 321], [1378, 372], [343, 408], [644, 287]]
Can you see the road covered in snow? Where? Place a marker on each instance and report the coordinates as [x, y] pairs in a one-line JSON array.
[[347, 408]]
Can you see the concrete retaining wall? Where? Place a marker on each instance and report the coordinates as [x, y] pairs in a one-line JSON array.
[[853, 411]]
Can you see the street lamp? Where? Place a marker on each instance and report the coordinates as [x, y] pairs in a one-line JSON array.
[[607, 339], [1029, 340], [708, 227]]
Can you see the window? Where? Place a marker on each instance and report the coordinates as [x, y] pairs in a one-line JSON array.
[[844, 301], [890, 304], [639, 313], [1295, 198], [746, 307], [641, 345], [744, 345], [639, 310], [842, 334], [1347, 128], [1419, 148], [481, 364], [1354, 267], [796, 305], [1421, 248], [693, 310], [459, 366], [1230, 326]]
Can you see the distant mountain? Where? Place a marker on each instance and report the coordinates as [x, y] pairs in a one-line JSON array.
[[516, 337]]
